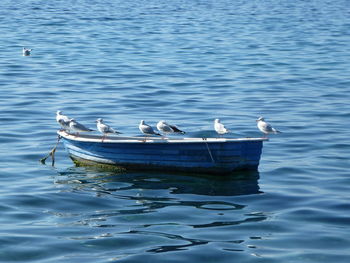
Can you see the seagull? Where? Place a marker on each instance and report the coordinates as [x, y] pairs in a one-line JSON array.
[[265, 127], [104, 128], [26, 52], [78, 127], [163, 126], [219, 127], [146, 129], [62, 120]]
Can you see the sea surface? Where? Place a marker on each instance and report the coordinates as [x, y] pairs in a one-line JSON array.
[[187, 62]]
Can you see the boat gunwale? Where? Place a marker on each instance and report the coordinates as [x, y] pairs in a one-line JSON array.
[[155, 140]]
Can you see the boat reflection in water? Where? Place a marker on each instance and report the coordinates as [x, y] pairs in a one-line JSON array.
[[238, 183], [163, 211]]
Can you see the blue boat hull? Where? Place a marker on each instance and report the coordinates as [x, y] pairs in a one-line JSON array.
[[210, 156]]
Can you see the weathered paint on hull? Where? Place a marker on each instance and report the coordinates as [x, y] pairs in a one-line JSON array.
[[218, 157]]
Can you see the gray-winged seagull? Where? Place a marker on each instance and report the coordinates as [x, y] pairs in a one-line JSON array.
[[62, 120], [265, 127], [146, 129], [78, 127], [104, 128], [26, 51], [219, 127], [167, 128]]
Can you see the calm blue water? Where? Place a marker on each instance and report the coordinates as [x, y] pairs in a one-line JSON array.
[[187, 62]]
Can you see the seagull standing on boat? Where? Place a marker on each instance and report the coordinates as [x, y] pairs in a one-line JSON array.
[[62, 120], [104, 128], [265, 127], [26, 52], [220, 128], [147, 130], [78, 127], [167, 128]]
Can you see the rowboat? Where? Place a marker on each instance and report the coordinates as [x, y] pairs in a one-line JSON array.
[[198, 155]]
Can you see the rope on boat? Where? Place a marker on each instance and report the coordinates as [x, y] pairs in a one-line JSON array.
[[211, 156], [51, 153]]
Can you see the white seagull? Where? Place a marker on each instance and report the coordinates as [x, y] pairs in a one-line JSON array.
[[220, 128], [104, 128], [265, 127], [146, 129], [167, 128], [26, 51], [62, 120], [78, 127]]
